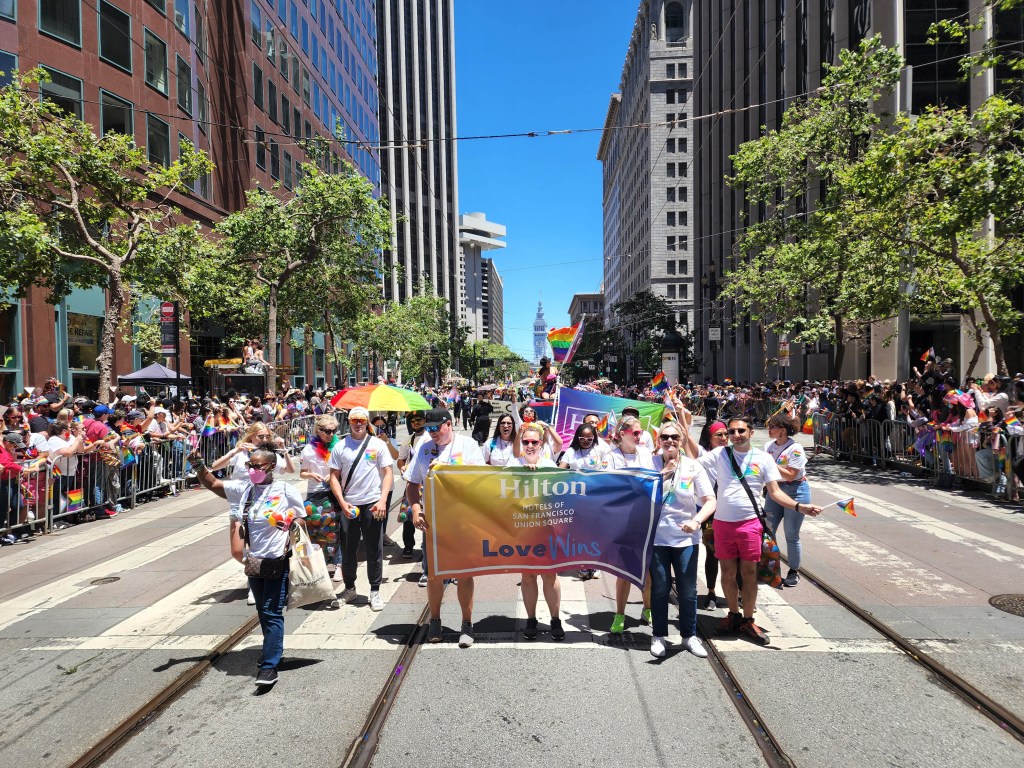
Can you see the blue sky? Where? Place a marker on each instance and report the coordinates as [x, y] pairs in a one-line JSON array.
[[523, 65]]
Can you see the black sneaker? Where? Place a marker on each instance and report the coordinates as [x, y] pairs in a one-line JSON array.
[[557, 633], [730, 625], [434, 632], [407, 553], [530, 633], [750, 630], [266, 677], [792, 579]]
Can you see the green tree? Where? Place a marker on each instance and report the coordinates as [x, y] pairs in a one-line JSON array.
[[81, 210], [807, 273], [643, 321], [409, 334], [314, 254]]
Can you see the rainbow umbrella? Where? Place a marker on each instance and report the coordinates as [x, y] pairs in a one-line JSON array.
[[380, 397]]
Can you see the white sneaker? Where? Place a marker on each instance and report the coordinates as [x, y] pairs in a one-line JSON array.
[[376, 601], [694, 646], [338, 575], [251, 599], [423, 580], [658, 645]]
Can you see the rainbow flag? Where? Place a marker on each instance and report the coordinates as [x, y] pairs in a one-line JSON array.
[[660, 382], [75, 498], [929, 353], [564, 342], [945, 439], [127, 457], [1011, 420], [209, 429], [847, 506], [55, 469]]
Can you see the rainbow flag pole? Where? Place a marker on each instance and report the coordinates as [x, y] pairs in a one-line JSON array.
[[847, 506]]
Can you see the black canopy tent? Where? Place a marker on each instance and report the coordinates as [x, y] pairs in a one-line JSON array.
[[154, 375]]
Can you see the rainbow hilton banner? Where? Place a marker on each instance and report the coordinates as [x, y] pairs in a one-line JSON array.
[[491, 520], [575, 404]]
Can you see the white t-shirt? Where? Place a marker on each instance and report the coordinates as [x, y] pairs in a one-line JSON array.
[[619, 460], [275, 506], [461, 450], [411, 444], [365, 485], [68, 465], [733, 502], [310, 461], [543, 461], [689, 483], [497, 452], [790, 455], [594, 457]]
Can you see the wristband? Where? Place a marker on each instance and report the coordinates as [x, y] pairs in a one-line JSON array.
[[796, 507]]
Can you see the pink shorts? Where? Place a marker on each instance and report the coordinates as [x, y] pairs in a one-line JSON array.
[[738, 541]]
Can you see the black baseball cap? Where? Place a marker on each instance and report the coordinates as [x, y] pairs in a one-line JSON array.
[[437, 416]]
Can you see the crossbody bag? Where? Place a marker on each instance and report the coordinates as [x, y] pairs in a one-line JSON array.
[[260, 567], [769, 567]]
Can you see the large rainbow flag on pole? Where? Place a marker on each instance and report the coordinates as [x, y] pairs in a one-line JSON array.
[[565, 341]]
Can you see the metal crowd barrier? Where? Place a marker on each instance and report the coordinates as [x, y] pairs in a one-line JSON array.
[[24, 503]]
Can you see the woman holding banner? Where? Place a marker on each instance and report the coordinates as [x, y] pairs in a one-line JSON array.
[[532, 439], [629, 453], [586, 451], [686, 488], [498, 450]]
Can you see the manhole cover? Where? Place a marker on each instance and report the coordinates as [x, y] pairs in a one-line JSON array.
[[105, 580], [1010, 603]]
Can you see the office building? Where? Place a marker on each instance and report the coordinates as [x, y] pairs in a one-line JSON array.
[[493, 309], [476, 236], [752, 60], [243, 80], [590, 305], [645, 153], [419, 170]]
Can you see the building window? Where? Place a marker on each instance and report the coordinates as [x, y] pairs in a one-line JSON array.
[[257, 86], [204, 107], [296, 123], [683, 169], [200, 36], [670, 266], [61, 19], [670, 194], [677, 21], [305, 86], [287, 170], [64, 91], [115, 36], [293, 20], [8, 63], [295, 72], [670, 96], [275, 161], [115, 115], [670, 243], [256, 23], [670, 219], [158, 141], [684, 194], [670, 71], [156, 62], [271, 101], [684, 291], [671, 290], [684, 242], [286, 109], [670, 170], [9, 10], [182, 17], [184, 86], [261, 149], [203, 183], [160, 5], [670, 146], [308, 130], [305, 37], [684, 266], [269, 43]]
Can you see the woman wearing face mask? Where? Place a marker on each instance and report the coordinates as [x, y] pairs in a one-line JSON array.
[[261, 529], [675, 540], [532, 440], [498, 450], [629, 453]]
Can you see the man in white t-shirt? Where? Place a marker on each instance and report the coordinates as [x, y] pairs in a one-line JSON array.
[[361, 479], [445, 447], [737, 527], [415, 420]]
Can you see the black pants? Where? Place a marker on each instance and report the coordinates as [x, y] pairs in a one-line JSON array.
[[371, 531]]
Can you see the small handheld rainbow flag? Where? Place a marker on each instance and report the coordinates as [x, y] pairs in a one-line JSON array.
[[56, 470], [847, 506], [660, 382], [75, 499], [209, 430], [1011, 420], [926, 355]]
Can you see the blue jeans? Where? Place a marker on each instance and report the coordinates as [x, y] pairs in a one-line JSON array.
[[683, 561], [270, 597], [791, 519]]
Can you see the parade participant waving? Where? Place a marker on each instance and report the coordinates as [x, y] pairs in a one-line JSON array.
[[791, 460], [676, 539], [445, 448], [743, 472], [629, 453], [361, 479], [260, 531], [532, 440]]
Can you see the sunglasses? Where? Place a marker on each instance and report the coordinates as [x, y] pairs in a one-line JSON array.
[[530, 442], [326, 431], [737, 431], [264, 467], [588, 438], [357, 421], [668, 437], [432, 430], [635, 432]]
